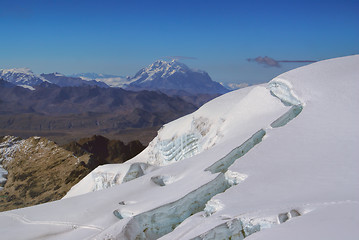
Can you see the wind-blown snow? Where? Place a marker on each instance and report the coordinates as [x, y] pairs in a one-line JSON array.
[[279, 157]]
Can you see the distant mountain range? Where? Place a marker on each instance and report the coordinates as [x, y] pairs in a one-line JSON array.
[[65, 108], [23, 77], [95, 75], [110, 80], [50, 110], [172, 77], [64, 81], [235, 86]]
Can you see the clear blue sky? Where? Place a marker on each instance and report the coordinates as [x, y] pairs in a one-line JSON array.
[[120, 37]]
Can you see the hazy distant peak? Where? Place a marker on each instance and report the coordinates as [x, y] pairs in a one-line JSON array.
[[174, 75], [161, 65], [94, 76], [58, 74], [64, 81], [21, 76], [16, 70], [161, 68]]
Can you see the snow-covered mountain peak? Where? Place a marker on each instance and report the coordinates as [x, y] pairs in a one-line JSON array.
[[17, 70], [161, 68], [173, 75], [174, 64], [21, 77]]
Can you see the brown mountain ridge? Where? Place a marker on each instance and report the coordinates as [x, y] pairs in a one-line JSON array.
[[64, 114], [40, 171]]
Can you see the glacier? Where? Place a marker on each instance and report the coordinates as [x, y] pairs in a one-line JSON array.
[[271, 161]]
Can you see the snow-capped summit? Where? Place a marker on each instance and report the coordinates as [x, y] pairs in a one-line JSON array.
[[21, 77], [160, 68], [162, 75], [17, 70]]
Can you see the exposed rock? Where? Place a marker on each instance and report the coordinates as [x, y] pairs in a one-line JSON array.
[[104, 150], [39, 171]]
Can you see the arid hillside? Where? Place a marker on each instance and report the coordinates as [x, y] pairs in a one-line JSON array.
[[37, 170]]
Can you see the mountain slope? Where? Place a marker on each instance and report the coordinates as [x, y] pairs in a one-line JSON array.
[[21, 77], [162, 75], [37, 171], [279, 156], [64, 81], [103, 150], [63, 114], [110, 80]]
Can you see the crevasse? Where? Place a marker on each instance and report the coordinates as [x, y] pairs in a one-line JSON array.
[[182, 147], [283, 90], [241, 227], [164, 219]]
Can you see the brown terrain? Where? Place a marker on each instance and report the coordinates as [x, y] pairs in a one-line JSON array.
[[44, 169], [40, 171], [103, 150], [64, 114]]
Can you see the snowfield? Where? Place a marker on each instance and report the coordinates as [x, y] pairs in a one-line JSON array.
[[272, 161]]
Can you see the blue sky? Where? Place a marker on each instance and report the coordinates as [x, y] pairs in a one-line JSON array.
[[120, 37]]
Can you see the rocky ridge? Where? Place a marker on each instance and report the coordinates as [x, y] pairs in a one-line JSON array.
[[37, 170]]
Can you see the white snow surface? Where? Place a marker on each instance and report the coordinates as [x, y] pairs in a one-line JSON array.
[[227, 171]]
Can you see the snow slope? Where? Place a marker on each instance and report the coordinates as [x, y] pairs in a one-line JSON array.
[[273, 161]]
